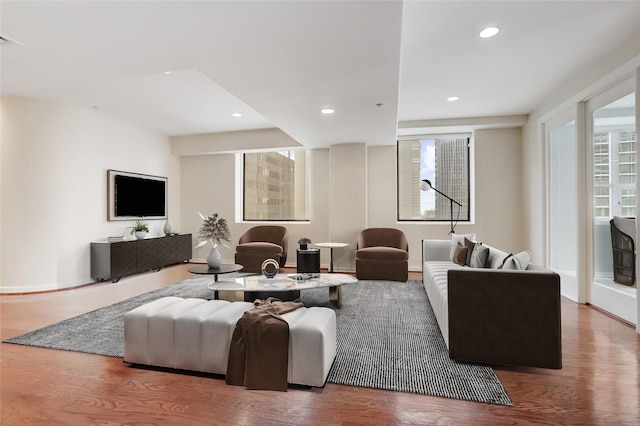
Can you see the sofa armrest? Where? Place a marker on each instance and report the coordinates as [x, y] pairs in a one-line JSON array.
[[505, 317]]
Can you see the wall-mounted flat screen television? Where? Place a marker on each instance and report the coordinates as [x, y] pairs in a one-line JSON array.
[[135, 196]]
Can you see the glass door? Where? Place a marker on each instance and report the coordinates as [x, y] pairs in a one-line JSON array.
[[563, 201], [614, 170]]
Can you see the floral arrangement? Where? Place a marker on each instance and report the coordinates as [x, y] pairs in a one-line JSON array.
[[214, 229]]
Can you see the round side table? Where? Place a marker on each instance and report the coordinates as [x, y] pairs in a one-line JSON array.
[[331, 246]]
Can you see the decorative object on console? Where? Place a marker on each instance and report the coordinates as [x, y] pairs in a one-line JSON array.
[[425, 185], [270, 272], [167, 228], [139, 229], [214, 230]]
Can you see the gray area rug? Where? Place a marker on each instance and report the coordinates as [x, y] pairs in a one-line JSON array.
[[388, 338]]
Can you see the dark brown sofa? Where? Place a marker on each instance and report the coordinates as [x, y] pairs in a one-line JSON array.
[[261, 243], [491, 315], [505, 317], [382, 254]]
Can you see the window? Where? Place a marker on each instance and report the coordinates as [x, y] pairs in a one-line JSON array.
[[444, 161], [275, 186], [614, 159]]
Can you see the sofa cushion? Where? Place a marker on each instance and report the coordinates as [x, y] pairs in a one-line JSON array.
[[387, 253], [455, 239], [496, 258], [469, 244], [518, 262], [479, 256], [259, 247], [460, 255]]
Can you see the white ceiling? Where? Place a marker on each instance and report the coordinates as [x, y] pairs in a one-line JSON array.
[[280, 62]]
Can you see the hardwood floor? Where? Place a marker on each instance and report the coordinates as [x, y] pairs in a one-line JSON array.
[[598, 385]]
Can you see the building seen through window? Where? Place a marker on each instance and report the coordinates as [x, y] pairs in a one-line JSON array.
[[275, 186], [444, 161], [615, 159]]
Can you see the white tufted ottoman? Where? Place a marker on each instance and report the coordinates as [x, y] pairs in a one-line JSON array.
[[194, 334]]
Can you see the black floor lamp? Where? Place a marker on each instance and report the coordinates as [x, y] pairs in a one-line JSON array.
[[425, 185]]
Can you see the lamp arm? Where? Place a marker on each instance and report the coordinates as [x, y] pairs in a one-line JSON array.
[[447, 197]]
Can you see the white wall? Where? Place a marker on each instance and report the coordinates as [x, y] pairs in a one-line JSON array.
[[208, 186], [576, 89], [498, 195], [354, 187], [53, 181]]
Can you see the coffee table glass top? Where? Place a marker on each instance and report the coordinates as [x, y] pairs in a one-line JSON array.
[[281, 282], [224, 268]]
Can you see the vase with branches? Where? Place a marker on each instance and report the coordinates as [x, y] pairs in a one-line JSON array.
[[214, 230]]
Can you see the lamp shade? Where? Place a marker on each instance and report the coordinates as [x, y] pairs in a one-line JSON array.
[[425, 184]]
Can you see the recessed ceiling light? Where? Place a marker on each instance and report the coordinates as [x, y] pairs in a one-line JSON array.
[[327, 111], [453, 98], [489, 32], [236, 114], [167, 72]]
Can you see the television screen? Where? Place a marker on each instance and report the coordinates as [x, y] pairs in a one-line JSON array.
[[133, 195]]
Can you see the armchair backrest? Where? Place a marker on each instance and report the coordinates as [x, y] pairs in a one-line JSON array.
[[385, 237], [626, 225], [266, 233]]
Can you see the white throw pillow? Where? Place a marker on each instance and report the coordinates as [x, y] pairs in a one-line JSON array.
[[518, 262], [455, 239]]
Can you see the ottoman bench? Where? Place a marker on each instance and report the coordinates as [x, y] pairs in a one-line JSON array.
[[194, 334]]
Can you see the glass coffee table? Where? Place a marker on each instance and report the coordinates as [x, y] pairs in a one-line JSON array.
[[224, 268], [261, 286]]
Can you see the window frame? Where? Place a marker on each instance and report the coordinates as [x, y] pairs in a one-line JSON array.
[[614, 186], [240, 188], [470, 179]]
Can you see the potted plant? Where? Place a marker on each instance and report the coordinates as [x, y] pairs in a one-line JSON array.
[[214, 230], [139, 229], [304, 242]]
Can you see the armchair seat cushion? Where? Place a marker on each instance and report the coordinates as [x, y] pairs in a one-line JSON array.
[[259, 247], [388, 253]]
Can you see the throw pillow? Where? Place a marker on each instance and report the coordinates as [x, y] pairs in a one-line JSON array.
[[470, 244], [455, 239], [518, 262], [460, 255], [504, 260], [479, 256]]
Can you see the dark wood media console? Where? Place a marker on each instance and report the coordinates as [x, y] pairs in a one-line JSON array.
[[114, 260]]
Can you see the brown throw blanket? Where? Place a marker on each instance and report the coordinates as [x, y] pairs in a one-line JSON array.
[[259, 349]]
